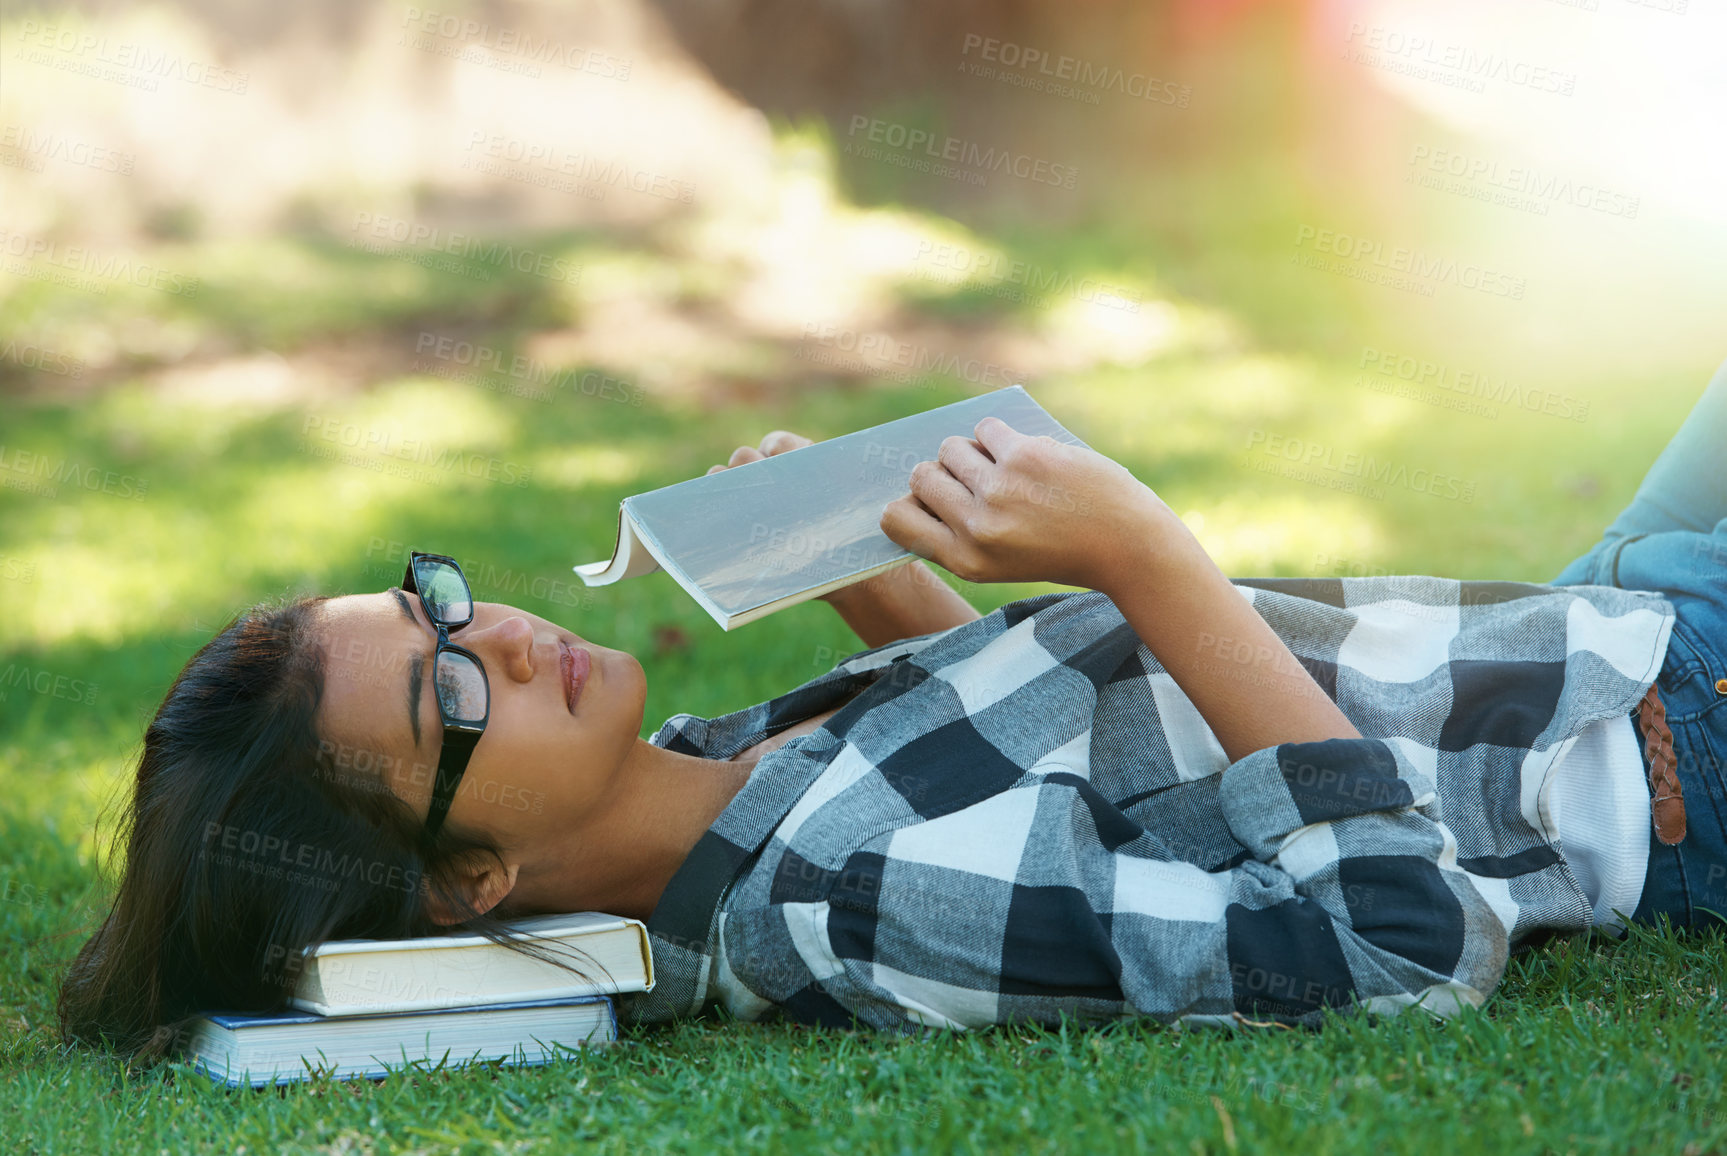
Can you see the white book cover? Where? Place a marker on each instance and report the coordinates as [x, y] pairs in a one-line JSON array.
[[357, 977], [756, 538]]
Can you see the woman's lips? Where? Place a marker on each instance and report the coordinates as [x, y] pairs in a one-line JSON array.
[[576, 663]]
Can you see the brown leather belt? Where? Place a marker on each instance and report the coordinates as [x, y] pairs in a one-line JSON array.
[[1667, 803]]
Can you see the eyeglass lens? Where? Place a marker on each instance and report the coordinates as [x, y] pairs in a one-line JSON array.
[[444, 589], [461, 687], [458, 679]]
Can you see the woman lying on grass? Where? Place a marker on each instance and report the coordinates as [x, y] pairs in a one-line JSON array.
[[1164, 795]]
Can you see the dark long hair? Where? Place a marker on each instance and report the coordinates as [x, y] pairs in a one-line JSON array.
[[243, 845]]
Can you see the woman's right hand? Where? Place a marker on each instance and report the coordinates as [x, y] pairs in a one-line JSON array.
[[1008, 507]]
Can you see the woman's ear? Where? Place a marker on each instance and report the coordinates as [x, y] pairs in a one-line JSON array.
[[480, 879]]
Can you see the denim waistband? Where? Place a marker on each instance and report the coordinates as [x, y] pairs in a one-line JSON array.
[[1687, 881]]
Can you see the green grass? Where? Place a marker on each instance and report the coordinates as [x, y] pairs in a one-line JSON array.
[[1588, 1046]]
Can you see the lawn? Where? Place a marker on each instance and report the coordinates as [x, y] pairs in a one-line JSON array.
[[328, 433]]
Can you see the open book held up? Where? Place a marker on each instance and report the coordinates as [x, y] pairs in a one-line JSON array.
[[759, 537]]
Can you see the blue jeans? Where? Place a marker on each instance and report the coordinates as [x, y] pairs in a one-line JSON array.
[[1672, 538]]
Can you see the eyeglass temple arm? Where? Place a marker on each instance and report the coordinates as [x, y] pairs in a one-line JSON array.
[[452, 762]]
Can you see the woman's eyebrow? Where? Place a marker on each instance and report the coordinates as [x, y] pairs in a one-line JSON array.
[[416, 670]]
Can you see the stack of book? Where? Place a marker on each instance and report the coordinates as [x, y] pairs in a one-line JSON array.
[[366, 1006]]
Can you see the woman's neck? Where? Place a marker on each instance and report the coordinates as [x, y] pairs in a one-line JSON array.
[[620, 859]]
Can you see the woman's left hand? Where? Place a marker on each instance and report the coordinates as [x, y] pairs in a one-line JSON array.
[[778, 442], [1012, 508]]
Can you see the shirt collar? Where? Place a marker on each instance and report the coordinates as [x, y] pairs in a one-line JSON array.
[[683, 922]]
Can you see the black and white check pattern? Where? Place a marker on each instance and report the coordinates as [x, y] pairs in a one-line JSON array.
[[1024, 816]]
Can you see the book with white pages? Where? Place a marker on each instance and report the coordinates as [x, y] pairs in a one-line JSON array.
[[353, 977], [765, 535], [261, 1050]]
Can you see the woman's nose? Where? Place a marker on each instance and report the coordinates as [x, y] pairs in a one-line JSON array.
[[506, 647]]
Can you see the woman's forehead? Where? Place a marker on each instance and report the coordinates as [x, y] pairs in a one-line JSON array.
[[372, 655]]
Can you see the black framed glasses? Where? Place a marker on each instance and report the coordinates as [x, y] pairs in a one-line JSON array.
[[459, 680]]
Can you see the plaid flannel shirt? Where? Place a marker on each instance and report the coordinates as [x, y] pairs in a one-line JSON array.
[[1023, 816]]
